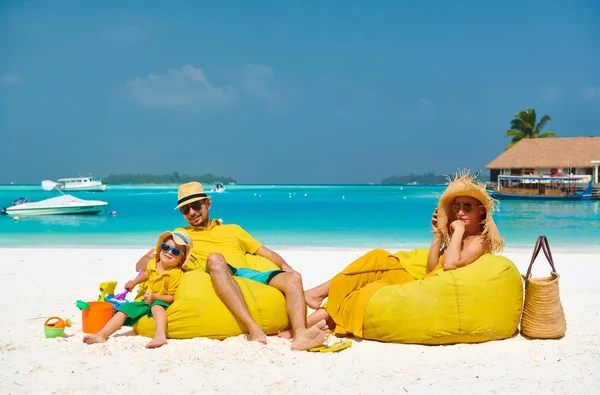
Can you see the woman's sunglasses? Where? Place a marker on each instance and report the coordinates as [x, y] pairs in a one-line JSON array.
[[164, 247], [466, 207], [197, 206]]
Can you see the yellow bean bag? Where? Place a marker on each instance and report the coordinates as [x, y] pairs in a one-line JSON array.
[[198, 312], [477, 303]]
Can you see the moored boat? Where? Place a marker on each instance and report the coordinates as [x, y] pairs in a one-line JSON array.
[[78, 184], [540, 188], [65, 204]]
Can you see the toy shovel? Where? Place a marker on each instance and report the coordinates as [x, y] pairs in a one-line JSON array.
[[123, 294]]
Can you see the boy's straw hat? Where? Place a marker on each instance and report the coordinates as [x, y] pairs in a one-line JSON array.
[[466, 185], [189, 193], [181, 238]]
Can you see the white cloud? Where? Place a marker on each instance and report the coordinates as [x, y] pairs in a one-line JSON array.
[[591, 92], [551, 94], [185, 86], [425, 108], [256, 80], [10, 79]]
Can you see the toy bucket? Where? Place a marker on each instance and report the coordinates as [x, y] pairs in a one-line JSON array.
[[96, 316]]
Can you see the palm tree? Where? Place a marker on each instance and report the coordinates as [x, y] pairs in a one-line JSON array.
[[524, 127]]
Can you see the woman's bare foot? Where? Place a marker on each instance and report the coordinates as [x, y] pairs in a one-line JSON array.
[[257, 335], [91, 339], [313, 299], [311, 337], [157, 342], [289, 334]]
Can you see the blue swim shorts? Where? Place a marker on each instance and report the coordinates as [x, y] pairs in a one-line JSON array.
[[255, 275]]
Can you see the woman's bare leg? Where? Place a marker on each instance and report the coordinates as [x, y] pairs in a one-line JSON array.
[[314, 297], [312, 319]]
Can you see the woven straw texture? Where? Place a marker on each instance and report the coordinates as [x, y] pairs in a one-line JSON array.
[[543, 314]]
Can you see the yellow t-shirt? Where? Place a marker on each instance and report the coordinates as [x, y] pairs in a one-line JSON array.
[[164, 283], [231, 241]]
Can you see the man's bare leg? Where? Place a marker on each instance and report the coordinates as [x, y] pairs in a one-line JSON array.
[[160, 322], [314, 296], [115, 323], [229, 292], [314, 318], [290, 283]]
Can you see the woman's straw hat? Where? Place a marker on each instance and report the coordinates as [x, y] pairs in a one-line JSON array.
[[189, 193], [181, 238], [466, 185]]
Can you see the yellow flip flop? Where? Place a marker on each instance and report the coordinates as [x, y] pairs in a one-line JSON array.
[[332, 347]]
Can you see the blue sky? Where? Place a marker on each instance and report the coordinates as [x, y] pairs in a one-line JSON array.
[[289, 92]]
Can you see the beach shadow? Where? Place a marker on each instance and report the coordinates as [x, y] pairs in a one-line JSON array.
[[129, 333]]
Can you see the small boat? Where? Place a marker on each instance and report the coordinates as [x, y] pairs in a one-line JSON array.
[[218, 187], [89, 184], [538, 187], [65, 204]]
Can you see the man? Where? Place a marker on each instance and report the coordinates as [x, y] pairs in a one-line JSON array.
[[222, 250]]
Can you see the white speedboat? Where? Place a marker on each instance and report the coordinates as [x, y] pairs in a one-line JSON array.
[[218, 187], [65, 204], [90, 184]]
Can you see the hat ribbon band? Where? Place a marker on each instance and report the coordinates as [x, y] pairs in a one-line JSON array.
[[182, 237], [190, 197]]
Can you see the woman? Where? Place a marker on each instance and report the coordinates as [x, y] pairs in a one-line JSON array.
[[463, 231]]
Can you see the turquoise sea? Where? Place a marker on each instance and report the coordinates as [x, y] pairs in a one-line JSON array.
[[280, 216]]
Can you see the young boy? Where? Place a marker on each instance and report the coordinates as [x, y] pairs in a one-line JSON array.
[[163, 277]]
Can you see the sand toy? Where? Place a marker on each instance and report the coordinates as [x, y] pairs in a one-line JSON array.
[[55, 327]]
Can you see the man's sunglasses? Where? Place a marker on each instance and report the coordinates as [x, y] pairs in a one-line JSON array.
[[164, 247], [197, 206], [466, 207]]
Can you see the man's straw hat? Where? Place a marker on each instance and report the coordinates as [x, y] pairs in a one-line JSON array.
[[189, 193], [466, 185], [181, 238]]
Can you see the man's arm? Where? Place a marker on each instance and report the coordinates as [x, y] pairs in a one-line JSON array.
[[275, 258], [143, 262]]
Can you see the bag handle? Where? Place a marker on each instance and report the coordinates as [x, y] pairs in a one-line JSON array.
[[543, 245], [548, 253]]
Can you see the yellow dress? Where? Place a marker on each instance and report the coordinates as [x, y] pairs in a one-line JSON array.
[[351, 289]]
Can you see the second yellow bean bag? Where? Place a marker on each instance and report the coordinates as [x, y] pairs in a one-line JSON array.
[[480, 302]]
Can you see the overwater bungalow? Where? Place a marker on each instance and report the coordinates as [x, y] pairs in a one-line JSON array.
[[536, 166]]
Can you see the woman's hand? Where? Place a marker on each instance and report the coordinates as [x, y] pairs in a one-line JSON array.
[[149, 297], [457, 225], [436, 231]]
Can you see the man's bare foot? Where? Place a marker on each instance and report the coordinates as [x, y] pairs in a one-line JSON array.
[[311, 337], [257, 335], [157, 342], [312, 299], [286, 334], [91, 339]]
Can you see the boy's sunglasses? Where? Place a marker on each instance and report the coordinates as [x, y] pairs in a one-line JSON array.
[[197, 206], [466, 207], [164, 247]]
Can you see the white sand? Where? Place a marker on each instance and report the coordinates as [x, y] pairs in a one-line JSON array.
[[39, 283]]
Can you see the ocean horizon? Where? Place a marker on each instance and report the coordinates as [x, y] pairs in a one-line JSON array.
[[395, 217]]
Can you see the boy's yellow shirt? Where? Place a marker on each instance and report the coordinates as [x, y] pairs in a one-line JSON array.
[[165, 283]]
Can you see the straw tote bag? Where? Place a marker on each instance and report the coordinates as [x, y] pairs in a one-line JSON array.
[[543, 314]]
